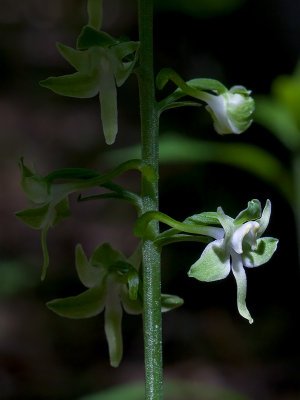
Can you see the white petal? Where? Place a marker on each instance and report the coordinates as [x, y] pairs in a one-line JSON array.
[[241, 282], [249, 228]]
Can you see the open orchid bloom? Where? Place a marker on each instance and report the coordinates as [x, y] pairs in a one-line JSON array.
[[241, 246], [113, 284], [102, 63]]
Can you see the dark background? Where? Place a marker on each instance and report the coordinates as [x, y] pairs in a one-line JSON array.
[[43, 356]]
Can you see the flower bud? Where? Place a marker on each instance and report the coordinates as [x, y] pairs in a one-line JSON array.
[[231, 111]]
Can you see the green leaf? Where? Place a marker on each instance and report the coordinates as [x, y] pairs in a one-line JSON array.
[[34, 217], [174, 389], [213, 265], [85, 305], [266, 247], [106, 256], [74, 85], [62, 211], [90, 37], [279, 120], [78, 59], [170, 302], [90, 276], [286, 89], [94, 8], [251, 213], [175, 148], [241, 282]]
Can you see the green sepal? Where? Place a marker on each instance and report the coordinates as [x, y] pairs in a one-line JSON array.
[[204, 218], [266, 247], [94, 9], [170, 302], [85, 305], [34, 186], [36, 218], [90, 37], [201, 84], [264, 219], [78, 59], [62, 211], [213, 265], [226, 221], [207, 84], [105, 256], [78, 85], [89, 275], [251, 213]]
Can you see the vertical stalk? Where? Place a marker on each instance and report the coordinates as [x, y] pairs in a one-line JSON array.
[[151, 256]]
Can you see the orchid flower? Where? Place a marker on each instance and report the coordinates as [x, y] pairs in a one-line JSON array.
[[113, 284], [231, 111], [241, 246]]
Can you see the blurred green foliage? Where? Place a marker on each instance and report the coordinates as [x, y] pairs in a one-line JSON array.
[[174, 390]]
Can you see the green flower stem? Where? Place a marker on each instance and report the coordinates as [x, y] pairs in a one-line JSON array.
[[143, 221], [151, 254]]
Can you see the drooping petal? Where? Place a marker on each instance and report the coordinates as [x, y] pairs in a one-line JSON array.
[[266, 247], [113, 329], [264, 219], [250, 229], [213, 265], [109, 107], [241, 282], [85, 305]]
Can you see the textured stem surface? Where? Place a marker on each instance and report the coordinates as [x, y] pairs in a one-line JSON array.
[[151, 255]]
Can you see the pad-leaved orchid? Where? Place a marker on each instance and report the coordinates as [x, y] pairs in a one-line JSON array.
[[241, 246]]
